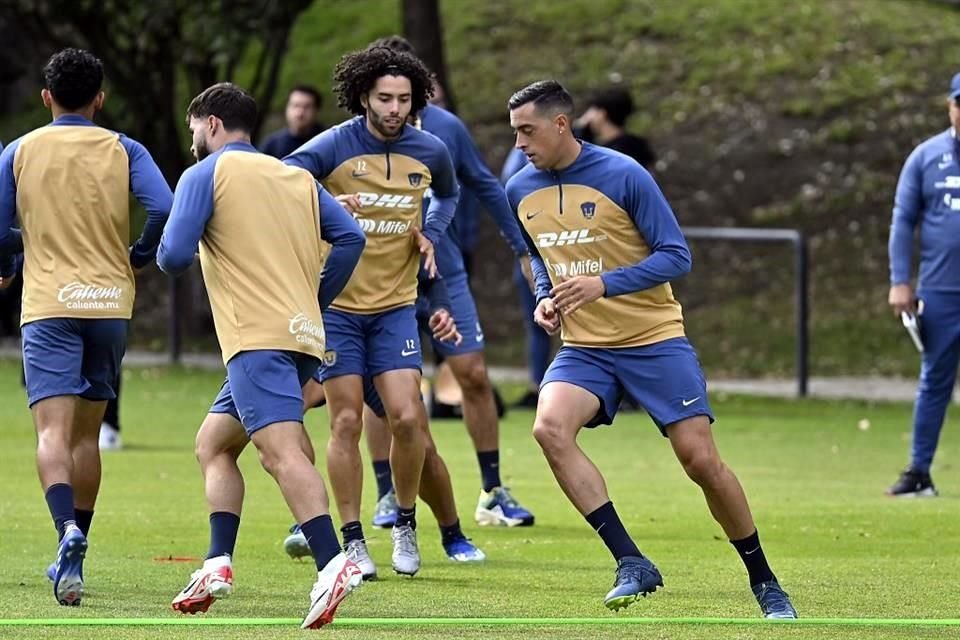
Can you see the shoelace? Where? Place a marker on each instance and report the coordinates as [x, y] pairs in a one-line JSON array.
[[354, 550], [773, 599], [630, 570], [507, 498], [406, 541]]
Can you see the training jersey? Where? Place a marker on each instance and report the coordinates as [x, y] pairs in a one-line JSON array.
[[69, 185], [392, 179], [604, 216], [258, 224], [477, 183], [928, 197]]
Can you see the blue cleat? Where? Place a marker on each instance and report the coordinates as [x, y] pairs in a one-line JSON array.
[[296, 545], [385, 515], [774, 601], [68, 569], [636, 577], [499, 508], [52, 572], [462, 550]]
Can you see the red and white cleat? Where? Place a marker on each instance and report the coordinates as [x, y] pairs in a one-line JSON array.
[[334, 583], [208, 583]]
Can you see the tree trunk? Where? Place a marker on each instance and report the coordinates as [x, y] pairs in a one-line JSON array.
[[424, 29]]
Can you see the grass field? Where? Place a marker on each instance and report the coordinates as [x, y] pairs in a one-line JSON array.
[[814, 475]]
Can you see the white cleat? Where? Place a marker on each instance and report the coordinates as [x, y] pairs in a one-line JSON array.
[[334, 583], [406, 554], [356, 552], [212, 581], [109, 438]]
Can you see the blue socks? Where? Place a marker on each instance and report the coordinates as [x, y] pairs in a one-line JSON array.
[[384, 476], [608, 526], [223, 533], [60, 502], [322, 538], [489, 468]]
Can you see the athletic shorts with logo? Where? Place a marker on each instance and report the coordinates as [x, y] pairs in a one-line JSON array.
[[664, 378]]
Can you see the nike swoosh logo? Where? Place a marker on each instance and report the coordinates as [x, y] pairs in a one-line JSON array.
[[746, 553], [359, 174], [531, 216], [406, 353], [687, 403]]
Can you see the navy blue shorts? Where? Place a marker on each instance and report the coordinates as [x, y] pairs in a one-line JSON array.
[[265, 386], [73, 357], [664, 378], [464, 312], [370, 344]]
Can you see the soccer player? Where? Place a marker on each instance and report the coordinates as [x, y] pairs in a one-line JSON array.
[[606, 247], [385, 166], [68, 184], [259, 226], [927, 197], [496, 505], [436, 488]]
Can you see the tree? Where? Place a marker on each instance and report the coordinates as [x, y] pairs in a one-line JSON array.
[[423, 27], [158, 54]]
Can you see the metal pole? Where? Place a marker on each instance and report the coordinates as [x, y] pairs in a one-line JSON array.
[[802, 310]]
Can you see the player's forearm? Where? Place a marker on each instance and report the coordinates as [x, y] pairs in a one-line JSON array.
[[438, 217], [541, 277], [501, 213], [900, 249], [434, 290], [662, 266], [339, 266], [144, 250]]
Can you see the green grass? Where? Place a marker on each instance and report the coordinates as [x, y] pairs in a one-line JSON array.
[[814, 478]]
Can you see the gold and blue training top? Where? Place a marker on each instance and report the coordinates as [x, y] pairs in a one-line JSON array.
[[259, 225], [604, 216], [392, 179], [68, 184]]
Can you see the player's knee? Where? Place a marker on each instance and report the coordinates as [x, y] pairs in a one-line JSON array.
[[346, 425], [550, 434], [473, 378], [405, 424], [702, 465]]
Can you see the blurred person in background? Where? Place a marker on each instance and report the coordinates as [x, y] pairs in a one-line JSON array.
[[303, 104], [603, 123]]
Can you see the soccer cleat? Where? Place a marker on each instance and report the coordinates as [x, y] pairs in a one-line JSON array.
[[406, 554], [68, 569], [462, 550], [498, 508], [529, 400], [356, 552], [212, 581], [913, 484], [774, 601], [636, 577], [385, 515], [296, 545], [52, 572], [109, 438], [334, 583]]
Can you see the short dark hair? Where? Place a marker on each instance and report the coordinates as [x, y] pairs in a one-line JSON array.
[[74, 77], [357, 72], [310, 90], [546, 95], [616, 102], [395, 42], [230, 103]]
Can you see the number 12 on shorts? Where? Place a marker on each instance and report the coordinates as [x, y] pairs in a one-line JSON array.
[[409, 349]]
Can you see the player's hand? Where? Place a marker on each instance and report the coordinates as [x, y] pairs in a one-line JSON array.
[[426, 250], [902, 299], [443, 327], [547, 317], [573, 293], [5, 282], [527, 270], [350, 202]]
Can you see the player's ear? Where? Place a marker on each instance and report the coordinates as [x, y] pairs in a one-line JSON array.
[[99, 100], [365, 101], [212, 124], [562, 121], [47, 98]]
